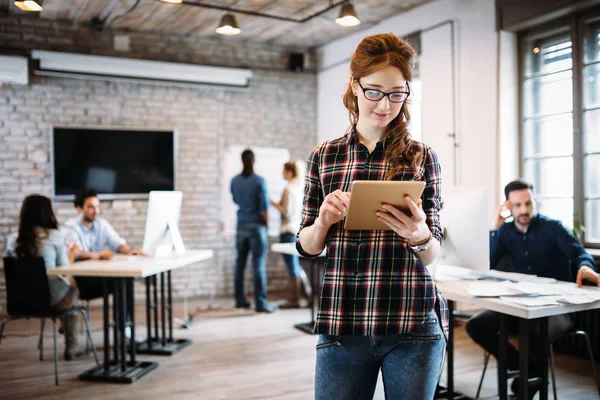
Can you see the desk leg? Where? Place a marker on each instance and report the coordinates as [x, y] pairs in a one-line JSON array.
[[116, 301], [163, 345], [307, 327], [148, 312], [170, 306], [448, 391], [155, 302], [502, 349], [131, 304], [162, 310], [118, 370], [106, 323], [122, 322], [524, 357], [544, 350], [451, 351]]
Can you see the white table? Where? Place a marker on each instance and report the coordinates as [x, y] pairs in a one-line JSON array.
[[121, 271], [455, 291], [313, 275]]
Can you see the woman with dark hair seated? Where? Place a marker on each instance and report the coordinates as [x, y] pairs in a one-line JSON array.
[[39, 236]]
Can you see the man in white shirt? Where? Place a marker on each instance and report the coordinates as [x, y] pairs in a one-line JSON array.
[[95, 239]]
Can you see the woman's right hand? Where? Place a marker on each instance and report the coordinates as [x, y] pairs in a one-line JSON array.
[[334, 208]]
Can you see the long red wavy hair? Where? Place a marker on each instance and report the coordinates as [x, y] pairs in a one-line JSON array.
[[372, 54]]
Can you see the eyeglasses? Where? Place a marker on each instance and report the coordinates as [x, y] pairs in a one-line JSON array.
[[377, 95]]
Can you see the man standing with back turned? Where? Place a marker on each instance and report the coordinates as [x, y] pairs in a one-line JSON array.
[[539, 246], [249, 192]]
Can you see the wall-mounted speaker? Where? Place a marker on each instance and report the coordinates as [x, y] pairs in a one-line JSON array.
[[296, 62]]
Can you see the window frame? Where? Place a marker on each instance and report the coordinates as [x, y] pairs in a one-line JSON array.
[[574, 25]]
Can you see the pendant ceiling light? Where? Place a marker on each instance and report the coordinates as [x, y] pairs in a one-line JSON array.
[[347, 16], [29, 5], [228, 25], [172, 1]]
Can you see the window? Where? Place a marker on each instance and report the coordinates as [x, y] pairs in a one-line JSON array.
[[560, 120], [591, 128]]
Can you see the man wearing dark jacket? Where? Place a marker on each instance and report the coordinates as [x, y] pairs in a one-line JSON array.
[[537, 245]]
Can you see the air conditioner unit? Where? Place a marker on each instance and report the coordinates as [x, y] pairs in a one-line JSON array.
[[14, 70], [86, 66]]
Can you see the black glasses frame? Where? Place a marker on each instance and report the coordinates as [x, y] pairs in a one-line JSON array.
[[384, 94]]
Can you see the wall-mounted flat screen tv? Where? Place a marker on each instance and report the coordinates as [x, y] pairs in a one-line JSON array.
[[117, 163]]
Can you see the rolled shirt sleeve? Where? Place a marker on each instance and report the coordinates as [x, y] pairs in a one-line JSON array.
[[113, 240], [432, 198], [313, 198]]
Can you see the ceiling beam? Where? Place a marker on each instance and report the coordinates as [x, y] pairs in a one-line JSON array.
[[331, 6]]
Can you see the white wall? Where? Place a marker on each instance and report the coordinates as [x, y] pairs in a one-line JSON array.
[[508, 102], [477, 85]]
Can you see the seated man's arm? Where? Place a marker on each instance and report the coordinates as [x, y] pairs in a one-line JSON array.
[[80, 255], [115, 241], [581, 262]]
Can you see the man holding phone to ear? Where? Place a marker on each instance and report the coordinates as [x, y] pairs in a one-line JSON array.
[[536, 245]]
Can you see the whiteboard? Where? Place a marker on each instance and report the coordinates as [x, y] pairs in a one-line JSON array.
[[268, 163]]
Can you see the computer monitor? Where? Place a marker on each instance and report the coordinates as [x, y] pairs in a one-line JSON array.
[[465, 219], [162, 224]]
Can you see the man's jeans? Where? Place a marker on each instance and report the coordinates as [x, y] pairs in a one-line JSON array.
[[252, 238], [411, 364]]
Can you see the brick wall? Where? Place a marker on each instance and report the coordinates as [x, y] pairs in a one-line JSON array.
[[207, 120]]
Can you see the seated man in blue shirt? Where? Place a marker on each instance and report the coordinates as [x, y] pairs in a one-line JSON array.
[[95, 239], [535, 245]]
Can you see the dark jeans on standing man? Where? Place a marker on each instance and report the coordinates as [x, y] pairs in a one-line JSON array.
[[252, 238]]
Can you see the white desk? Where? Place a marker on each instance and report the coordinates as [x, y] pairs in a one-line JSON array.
[[456, 291], [313, 275], [132, 266], [120, 272]]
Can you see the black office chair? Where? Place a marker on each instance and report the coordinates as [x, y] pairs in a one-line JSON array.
[[28, 296], [574, 332]]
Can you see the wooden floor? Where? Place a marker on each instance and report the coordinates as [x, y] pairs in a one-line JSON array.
[[234, 355]]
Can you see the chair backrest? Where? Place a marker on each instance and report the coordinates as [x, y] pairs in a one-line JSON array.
[[27, 290]]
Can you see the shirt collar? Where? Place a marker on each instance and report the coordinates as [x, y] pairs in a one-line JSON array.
[[84, 227], [533, 225], [352, 138]]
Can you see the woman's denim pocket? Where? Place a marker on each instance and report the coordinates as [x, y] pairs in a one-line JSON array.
[[326, 341], [430, 329]]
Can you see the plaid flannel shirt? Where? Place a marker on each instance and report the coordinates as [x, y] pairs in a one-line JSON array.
[[373, 284]]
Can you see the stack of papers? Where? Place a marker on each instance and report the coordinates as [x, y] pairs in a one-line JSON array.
[[534, 295], [508, 288], [533, 301]]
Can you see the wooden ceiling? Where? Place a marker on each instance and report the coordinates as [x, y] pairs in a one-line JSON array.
[[153, 15]]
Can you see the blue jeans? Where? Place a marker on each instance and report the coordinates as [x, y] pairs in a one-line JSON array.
[[411, 364], [252, 238], [291, 262]]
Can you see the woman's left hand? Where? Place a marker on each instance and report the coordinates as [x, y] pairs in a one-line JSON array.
[[413, 228]]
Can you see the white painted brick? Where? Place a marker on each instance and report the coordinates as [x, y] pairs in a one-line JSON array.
[[207, 121]]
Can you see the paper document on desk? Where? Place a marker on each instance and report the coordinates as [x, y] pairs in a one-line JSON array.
[[490, 288], [508, 288], [529, 301], [516, 276], [577, 299]]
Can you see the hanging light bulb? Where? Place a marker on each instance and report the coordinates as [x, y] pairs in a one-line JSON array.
[[172, 1], [228, 25], [347, 16], [29, 5]]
